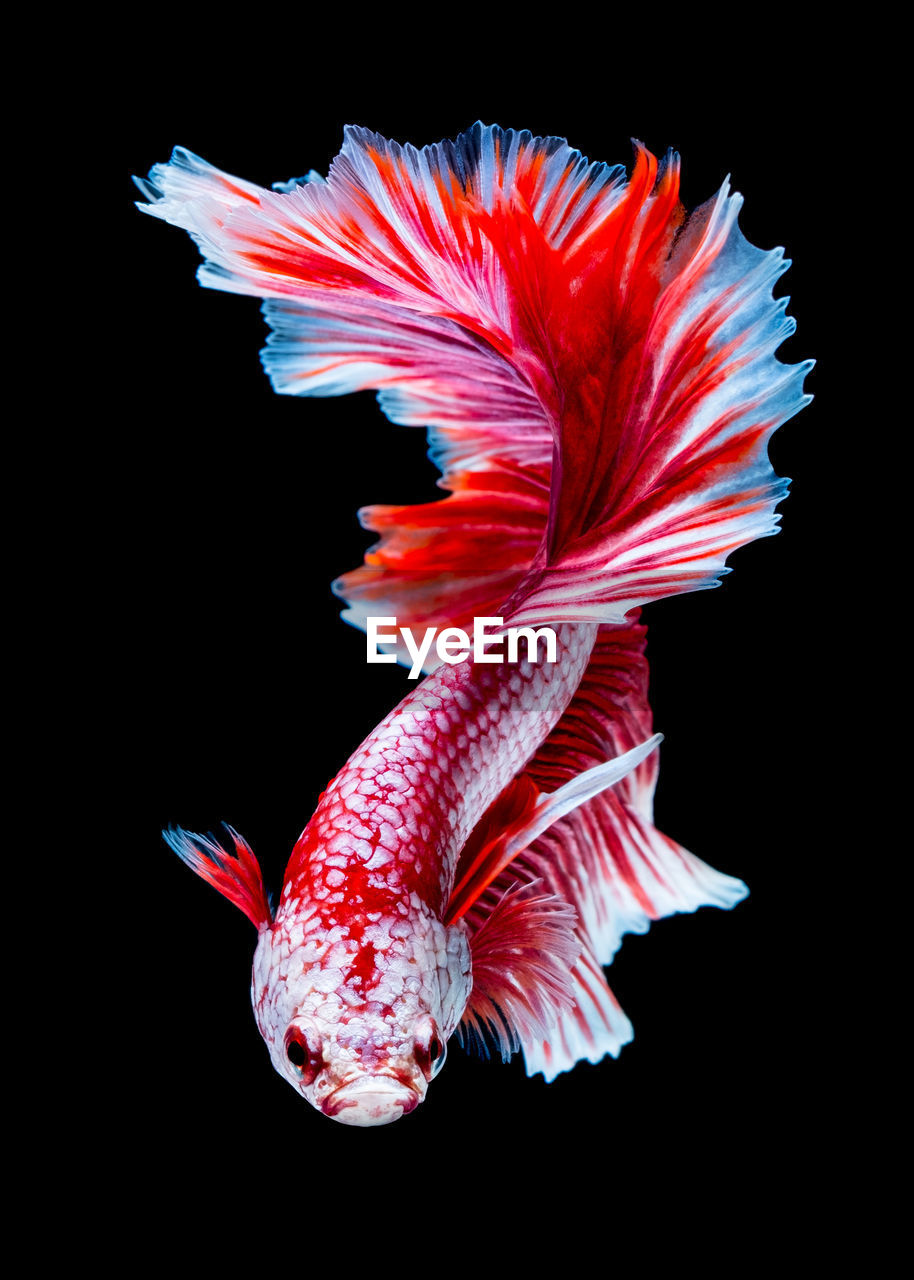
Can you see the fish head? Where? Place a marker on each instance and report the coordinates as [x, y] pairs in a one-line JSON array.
[[357, 1016]]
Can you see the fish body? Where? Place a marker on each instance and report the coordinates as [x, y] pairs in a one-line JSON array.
[[598, 379], [359, 954]]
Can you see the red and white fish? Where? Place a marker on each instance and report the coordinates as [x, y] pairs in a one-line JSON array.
[[597, 375]]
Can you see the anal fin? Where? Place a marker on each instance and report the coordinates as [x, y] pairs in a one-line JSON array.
[[604, 860]]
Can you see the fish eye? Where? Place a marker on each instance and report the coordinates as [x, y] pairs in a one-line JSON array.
[[306, 1062], [437, 1053], [430, 1048]]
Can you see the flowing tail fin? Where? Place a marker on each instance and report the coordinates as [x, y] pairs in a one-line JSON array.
[[597, 373]]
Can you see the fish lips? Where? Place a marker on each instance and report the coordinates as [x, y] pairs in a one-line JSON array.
[[371, 1100]]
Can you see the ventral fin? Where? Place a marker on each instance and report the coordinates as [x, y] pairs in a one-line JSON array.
[[523, 814]]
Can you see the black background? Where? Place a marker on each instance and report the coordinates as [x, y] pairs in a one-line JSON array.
[[232, 691]]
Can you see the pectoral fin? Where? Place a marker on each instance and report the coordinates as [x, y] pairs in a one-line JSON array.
[[237, 877]]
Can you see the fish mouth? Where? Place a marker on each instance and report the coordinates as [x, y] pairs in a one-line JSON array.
[[370, 1100]]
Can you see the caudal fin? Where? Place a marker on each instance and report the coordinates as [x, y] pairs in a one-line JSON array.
[[596, 372]]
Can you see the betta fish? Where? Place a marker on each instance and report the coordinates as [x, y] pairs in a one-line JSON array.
[[596, 372]]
